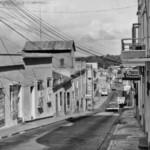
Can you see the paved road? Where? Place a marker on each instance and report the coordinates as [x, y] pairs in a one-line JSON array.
[[86, 133], [80, 134]]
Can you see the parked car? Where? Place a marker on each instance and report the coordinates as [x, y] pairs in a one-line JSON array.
[[113, 106], [90, 105], [104, 92]]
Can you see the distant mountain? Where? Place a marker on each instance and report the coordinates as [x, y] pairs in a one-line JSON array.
[[103, 61]]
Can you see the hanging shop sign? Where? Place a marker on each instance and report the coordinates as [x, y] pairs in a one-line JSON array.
[[131, 75]]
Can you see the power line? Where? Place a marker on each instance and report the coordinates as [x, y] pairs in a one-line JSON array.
[[79, 12], [57, 34], [53, 31]]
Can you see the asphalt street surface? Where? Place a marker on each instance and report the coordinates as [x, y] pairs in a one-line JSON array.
[[85, 133]]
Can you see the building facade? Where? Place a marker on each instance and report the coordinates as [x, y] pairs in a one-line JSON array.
[[136, 52], [11, 89], [62, 94], [61, 51], [79, 90], [37, 101]]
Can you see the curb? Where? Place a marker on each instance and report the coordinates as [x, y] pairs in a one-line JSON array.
[[27, 130], [34, 128], [115, 132]]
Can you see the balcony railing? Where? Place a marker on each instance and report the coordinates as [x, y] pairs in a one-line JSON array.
[[133, 48]]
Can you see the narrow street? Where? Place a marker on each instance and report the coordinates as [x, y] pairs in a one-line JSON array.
[[84, 133]]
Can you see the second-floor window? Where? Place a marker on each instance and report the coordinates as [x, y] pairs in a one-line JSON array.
[[40, 85], [62, 62], [49, 82]]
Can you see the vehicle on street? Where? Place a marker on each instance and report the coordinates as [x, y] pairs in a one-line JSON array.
[[89, 105], [121, 101], [113, 106], [104, 92]]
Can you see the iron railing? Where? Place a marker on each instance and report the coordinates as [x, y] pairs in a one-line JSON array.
[[128, 44]]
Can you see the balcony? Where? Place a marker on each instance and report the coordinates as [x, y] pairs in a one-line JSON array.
[[132, 48]]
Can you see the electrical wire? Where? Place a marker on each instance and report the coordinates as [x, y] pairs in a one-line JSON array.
[[81, 12], [83, 50], [54, 31]]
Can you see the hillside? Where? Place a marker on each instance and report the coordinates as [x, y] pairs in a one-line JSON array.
[[103, 61]]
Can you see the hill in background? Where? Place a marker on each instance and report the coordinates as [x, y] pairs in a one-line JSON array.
[[103, 61]]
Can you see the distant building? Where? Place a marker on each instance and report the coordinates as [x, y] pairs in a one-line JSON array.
[[79, 65], [93, 64], [79, 86], [62, 92]]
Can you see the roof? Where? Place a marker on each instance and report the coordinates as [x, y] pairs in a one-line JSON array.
[[78, 73], [63, 78], [49, 45], [57, 75], [65, 81]]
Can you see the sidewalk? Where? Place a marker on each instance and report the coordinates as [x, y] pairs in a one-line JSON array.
[[127, 133], [19, 129]]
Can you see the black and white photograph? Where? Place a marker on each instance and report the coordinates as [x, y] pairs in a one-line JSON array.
[[74, 74]]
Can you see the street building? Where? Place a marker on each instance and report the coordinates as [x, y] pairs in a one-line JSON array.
[[79, 90], [37, 101], [11, 90], [61, 51], [61, 94], [135, 54]]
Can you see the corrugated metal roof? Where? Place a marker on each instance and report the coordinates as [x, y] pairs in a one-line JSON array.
[[49, 45]]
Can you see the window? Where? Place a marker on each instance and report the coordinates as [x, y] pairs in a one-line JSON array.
[[60, 98], [68, 98], [40, 85], [62, 64], [49, 82]]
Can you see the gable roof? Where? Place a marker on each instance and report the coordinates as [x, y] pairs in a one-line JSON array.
[[49, 45]]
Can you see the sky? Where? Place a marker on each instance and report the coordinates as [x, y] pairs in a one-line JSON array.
[[100, 24]]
